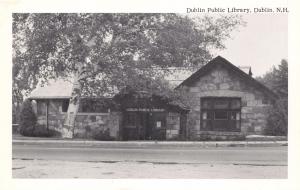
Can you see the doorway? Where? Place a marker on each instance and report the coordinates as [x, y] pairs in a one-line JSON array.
[[144, 125]]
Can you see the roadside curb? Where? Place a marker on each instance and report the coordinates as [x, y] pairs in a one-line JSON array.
[[149, 144]]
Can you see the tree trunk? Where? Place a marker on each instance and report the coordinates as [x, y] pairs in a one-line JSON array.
[[47, 116], [69, 124]]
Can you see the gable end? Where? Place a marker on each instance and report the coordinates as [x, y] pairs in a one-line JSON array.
[[220, 61]]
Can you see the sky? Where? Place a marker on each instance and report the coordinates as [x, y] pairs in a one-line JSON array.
[[261, 44]]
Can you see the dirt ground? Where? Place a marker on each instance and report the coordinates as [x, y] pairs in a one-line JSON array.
[[33, 168]]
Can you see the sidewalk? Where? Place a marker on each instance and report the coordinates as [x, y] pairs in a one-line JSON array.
[[19, 140]]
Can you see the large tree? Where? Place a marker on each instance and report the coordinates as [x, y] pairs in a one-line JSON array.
[[111, 50], [106, 52], [277, 80]]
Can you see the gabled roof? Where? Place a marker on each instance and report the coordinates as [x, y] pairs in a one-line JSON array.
[[55, 89], [61, 88], [225, 63], [178, 75]]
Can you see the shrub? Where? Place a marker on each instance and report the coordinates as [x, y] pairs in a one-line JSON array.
[[28, 123], [277, 81], [207, 137], [40, 131], [27, 118], [277, 121], [103, 135], [177, 138]]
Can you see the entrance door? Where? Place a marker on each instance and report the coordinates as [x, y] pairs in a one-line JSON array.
[[158, 126], [130, 126], [143, 125]]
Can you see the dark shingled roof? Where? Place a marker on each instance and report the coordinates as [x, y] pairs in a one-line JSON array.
[[225, 63]]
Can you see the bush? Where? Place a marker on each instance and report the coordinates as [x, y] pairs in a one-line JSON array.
[[177, 138], [207, 137], [27, 118], [40, 131], [277, 81], [103, 135], [28, 123], [277, 121]]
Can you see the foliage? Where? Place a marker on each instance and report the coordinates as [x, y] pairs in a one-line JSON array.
[[40, 131], [209, 137], [180, 137], [28, 123], [27, 118], [96, 105], [15, 114], [107, 52], [277, 122], [277, 80], [103, 135]]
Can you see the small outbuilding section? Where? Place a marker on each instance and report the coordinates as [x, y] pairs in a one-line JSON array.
[[51, 103]]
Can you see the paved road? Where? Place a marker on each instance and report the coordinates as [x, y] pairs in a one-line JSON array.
[[250, 155], [263, 157]]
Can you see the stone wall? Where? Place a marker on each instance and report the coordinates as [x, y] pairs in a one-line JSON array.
[[97, 125], [221, 82], [173, 125], [87, 125]]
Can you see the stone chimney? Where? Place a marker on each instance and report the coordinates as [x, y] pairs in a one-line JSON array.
[[250, 72], [246, 69]]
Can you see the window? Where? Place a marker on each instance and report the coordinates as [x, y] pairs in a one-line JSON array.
[[158, 124], [237, 116], [221, 104], [94, 106], [220, 114], [208, 115], [204, 115], [41, 107], [207, 104], [234, 116], [65, 105]]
